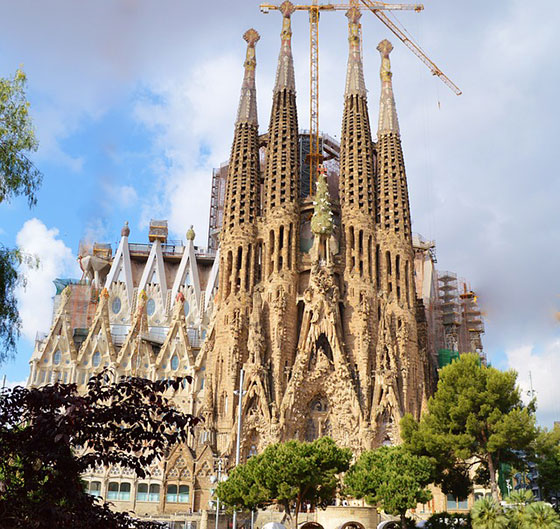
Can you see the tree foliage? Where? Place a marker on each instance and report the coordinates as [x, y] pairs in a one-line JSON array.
[[476, 417], [391, 478], [487, 514], [50, 436], [547, 458], [287, 474], [18, 175], [521, 512]]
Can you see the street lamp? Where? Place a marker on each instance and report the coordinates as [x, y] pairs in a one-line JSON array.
[[218, 479], [239, 426]]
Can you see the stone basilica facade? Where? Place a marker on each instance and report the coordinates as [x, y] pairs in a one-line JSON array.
[[314, 297]]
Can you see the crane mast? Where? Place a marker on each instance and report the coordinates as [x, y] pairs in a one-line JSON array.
[[315, 155]]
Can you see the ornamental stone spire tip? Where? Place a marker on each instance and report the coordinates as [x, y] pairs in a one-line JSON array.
[[247, 112], [285, 77], [355, 84], [388, 120]]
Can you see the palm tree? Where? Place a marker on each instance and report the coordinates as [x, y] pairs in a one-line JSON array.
[[520, 497], [487, 514], [517, 503], [541, 515]]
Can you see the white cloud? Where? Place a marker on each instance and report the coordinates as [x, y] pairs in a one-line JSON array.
[[55, 260], [541, 371], [187, 121], [124, 196]]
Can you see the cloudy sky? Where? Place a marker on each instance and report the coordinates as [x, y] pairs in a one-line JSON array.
[[134, 103]]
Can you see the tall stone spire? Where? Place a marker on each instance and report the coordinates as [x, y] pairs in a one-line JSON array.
[[399, 363], [357, 205], [388, 121], [280, 246], [393, 210], [242, 188], [355, 73], [285, 77], [282, 164], [238, 253], [356, 149], [247, 112]]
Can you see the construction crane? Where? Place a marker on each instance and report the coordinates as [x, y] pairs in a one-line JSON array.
[[315, 156]]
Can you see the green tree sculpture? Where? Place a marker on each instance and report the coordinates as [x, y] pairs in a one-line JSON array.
[[391, 478]]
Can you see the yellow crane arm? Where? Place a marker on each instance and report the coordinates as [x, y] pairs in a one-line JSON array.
[[343, 7], [412, 47]]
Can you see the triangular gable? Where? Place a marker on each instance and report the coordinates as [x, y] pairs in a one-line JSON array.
[[100, 327], [62, 328], [130, 349], [155, 270], [178, 328], [121, 270], [180, 463], [188, 269]]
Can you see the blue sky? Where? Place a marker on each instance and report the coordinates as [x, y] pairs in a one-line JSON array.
[[134, 103]]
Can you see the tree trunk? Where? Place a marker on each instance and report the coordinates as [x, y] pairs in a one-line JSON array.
[[403, 520], [493, 484], [298, 504]]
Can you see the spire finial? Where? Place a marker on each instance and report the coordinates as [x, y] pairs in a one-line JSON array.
[[285, 77], [388, 120], [248, 103], [125, 232], [385, 48], [190, 234], [355, 84]]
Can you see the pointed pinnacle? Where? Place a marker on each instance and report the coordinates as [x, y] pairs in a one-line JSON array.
[[252, 37], [285, 77], [355, 83], [388, 120], [287, 8], [385, 48], [247, 111]]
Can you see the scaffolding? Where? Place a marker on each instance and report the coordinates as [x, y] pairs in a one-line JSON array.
[[450, 309]]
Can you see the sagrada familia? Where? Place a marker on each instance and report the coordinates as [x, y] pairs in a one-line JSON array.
[[313, 295]]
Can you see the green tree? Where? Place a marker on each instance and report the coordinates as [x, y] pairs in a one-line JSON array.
[[392, 478], [547, 458], [50, 436], [517, 502], [18, 176], [243, 489], [540, 515], [287, 474], [487, 514], [476, 417]]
